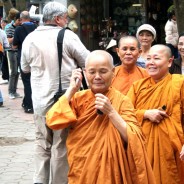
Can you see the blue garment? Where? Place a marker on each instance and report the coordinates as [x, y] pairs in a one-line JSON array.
[[141, 62], [1, 97]]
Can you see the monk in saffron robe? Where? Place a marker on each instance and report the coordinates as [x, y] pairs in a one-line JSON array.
[[128, 72], [105, 143], [159, 104]]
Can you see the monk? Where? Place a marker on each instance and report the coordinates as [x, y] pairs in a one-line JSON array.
[[105, 143], [128, 51], [159, 104]]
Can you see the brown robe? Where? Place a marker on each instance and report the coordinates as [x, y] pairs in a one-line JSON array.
[[164, 140], [96, 152]]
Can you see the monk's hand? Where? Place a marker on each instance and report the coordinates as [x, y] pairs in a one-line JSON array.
[[182, 153], [103, 104], [155, 115], [75, 83]]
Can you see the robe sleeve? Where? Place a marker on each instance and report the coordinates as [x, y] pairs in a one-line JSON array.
[[139, 112], [61, 114]]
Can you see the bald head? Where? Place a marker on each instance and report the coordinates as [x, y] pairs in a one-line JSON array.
[[97, 54], [163, 48], [99, 71], [25, 16]]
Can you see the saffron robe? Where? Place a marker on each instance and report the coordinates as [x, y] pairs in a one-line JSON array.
[[123, 80], [96, 152], [164, 140]]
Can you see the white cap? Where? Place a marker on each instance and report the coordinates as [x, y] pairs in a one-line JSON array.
[[146, 27]]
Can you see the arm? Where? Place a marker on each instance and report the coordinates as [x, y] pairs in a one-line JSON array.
[[103, 104], [77, 50], [153, 115], [4, 40], [25, 56], [61, 113]]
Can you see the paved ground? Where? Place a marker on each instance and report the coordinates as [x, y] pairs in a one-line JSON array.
[[16, 140]]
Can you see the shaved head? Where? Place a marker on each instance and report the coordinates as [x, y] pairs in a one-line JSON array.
[[164, 48], [100, 53]]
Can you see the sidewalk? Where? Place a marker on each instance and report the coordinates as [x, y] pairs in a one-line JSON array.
[[16, 140]]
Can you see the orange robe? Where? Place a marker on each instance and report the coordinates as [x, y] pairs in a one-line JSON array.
[[123, 80], [96, 152], [164, 140]]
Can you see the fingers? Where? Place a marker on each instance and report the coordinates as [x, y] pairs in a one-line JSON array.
[[182, 154]]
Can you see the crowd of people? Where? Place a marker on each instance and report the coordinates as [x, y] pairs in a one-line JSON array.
[[128, 127]]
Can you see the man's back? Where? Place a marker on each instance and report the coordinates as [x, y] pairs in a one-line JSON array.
[[20, 34], [43, 60]]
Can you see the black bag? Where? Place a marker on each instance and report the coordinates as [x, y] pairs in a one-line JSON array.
[[60, 92]]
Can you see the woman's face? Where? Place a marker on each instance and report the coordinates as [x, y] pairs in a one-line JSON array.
[[181, 46], [145, 38]]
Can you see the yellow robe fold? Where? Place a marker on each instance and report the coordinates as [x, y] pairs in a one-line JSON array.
[[164, 140], [96, 152], [123, 80]]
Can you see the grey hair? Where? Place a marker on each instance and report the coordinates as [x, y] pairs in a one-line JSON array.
[[100, 52], [25, 15], [52, 9]]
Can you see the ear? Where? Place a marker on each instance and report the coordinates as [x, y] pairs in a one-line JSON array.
[[56, 19], [117, 50], [170, 61]]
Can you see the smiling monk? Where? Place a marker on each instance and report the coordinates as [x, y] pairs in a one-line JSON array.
[[105, 148], [159, 104]]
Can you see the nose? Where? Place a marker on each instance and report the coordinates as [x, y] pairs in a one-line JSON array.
[[97, 75]]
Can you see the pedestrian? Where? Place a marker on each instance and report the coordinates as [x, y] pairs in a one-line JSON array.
[[171, 33], [4, 22], [128, 51], [3, 45], [1, 99], [12, 58], [159, 106], [40, 57], [102, 148], [20, 34], [177, 66], [146, 34]]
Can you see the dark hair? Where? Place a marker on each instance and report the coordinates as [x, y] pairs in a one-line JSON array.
[[180, 35], [4, 20], [170, 14], [127, 37], [17, 16]]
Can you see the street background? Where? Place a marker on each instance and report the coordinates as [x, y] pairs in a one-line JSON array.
[[16, 140]]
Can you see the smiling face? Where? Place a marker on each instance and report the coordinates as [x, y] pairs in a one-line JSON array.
[[99, 71], [181, 46], [128, 51], [158, 62], [145, 38]]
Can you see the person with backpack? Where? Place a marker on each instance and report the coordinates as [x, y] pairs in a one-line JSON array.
[[40, 57], [20, 34]]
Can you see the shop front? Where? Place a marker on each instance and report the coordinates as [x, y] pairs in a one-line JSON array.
[[98, 21]]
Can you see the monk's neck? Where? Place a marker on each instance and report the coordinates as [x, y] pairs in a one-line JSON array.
[[128, 68]]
